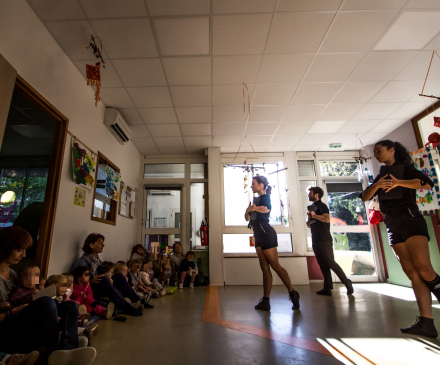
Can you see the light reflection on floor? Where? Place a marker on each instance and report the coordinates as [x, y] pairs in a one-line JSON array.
[[395, 291], [386, 351]]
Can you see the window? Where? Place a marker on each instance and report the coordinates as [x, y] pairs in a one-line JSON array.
[[199, 171], [164, 171], [240, 243], [338, 168]]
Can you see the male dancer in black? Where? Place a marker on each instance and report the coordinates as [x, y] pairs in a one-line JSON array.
[[319, 223]]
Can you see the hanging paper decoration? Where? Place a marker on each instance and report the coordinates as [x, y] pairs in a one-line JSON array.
[[94, 72], [426, 78], [112, 183], [437, 122], [433, 139], [83, 165], [428, 201]]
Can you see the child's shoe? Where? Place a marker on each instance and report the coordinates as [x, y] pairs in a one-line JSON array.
[[138, 305], [91, 331], [108, 314], [82, 341], [82, 310], [181, 286], [127, 300], [191, 285], [21, 359], [164, 291], [83, 356]]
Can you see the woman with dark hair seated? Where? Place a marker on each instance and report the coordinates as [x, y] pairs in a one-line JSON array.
[[101, 285], [35, 326]]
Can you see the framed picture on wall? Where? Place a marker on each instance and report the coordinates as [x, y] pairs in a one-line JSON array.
[[160, 222]]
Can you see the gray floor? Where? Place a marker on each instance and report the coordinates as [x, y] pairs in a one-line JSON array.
[[173, 332]]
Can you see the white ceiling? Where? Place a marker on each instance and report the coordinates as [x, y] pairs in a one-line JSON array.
[[318, 71]]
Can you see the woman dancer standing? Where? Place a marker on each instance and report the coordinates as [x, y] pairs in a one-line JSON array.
[[407, 230], [266, 244]]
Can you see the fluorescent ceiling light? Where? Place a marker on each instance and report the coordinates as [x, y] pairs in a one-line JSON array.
[[412, 30]]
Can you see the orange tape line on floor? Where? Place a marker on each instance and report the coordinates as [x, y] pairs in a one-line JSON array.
[[212, 314]]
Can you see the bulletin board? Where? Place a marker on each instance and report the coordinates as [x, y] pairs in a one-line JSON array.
[[127, 201]]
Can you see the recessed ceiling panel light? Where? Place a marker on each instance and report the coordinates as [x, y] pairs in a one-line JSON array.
[[412, 30]]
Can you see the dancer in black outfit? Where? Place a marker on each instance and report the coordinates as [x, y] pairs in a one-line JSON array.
[[407, 230], [266, 243]]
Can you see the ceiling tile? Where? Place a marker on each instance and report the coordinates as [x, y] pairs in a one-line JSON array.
[[340, 112], [131, 116], [158, 115], [376, 111], [434, 44], [408, 111], [357, 31], [284, 67], [274, 94], [172, 151], [256, 140], [267, 113], [126, 38], [229, 114], [140, 131], [333, 67], [291, 140], [188, 70], [236, 69], [377, 66], [316, 93], [198, 141], [143, 142], [149, 151], [422, 4], [373, 4], [261, 129], [358, 92], [196, 129], [169, 142], [73, 37], [183, 36], [191, 95], [164, 130], [398, 91], [178, 7], [194, 115], [109, 77], [228, 129], [226, 141], [230, 95], [306, 147], [150, 97], [140, 72], [325, 127], [307, 5], [431, 88], [247, 148], [388, 125], [113, 8], [277, 148], [240, 34], [418, 68], [303, 112], [359, 126], [116, 98], [297, 32], [315, 139], [288, 128], [371, 138], [243, 6], [56, 10]]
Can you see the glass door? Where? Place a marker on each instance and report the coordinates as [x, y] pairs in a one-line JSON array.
[[349, 226]]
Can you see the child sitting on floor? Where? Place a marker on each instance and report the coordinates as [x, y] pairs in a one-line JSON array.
[[188, 267], [69, 278], [144, 278], [165, 274], [106, 270], [120, 282], [83, 295], [29, 278], [60, 282], [148, 278], [134, 279]]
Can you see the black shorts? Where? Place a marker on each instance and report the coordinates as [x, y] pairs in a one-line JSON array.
[[406, 223], [265, 236]]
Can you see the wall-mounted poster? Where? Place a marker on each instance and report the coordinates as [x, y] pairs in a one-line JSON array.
[[160, 222], [112, 183], [83, 164], [127, 203], [80, 197]]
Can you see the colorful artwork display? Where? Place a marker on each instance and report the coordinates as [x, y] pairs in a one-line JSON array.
[[80, 197], [112, 183], [83, 164], [428, 201]]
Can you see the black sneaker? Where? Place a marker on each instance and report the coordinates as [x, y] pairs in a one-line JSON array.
[[325, 292], [423, 327], [148, 305], [294, 298], [263, 304], [349, 287]]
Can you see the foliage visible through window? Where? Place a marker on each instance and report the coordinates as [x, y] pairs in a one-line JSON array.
[[338, 168]]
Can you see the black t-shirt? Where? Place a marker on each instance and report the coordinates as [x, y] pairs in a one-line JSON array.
[[408, 195], [264, 201], [320, 230]]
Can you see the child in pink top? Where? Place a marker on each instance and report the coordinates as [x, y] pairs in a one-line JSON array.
[[82, 294]]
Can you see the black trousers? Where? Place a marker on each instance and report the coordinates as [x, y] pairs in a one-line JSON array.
[[326, 261]]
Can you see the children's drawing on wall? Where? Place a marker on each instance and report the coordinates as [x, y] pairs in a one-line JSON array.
[[112, 183], [80, 197], [83, 164]]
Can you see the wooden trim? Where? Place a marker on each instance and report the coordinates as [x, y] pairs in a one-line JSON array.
[[417, 118], [113, 203], [55, 169], [8, 75]]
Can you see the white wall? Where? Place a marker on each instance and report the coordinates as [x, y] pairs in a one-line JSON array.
[[31, 50]]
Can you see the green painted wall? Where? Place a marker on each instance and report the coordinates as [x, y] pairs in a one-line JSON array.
[[395, 272]]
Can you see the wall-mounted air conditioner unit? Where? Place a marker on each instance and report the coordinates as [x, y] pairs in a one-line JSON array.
[[162, 192], [117, 125]]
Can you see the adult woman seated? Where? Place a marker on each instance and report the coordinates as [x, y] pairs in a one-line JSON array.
[[34, 326], [101, 285]]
